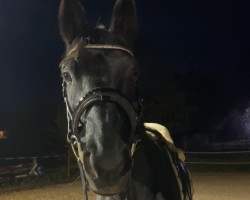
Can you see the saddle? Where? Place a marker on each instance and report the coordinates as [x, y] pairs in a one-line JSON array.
[[172, 177]]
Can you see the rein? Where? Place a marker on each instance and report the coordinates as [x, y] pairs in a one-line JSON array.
[[94, 96]]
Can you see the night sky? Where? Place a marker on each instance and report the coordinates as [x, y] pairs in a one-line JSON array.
[[200, 46]]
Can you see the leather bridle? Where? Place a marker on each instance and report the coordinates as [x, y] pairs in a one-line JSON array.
[[91, 98]]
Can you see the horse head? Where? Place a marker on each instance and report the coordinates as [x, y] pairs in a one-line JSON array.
[[99, 75]]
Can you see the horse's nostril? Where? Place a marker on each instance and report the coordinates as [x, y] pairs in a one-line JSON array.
[[127, 159], [91, 149], [89, 164], [87, 154]]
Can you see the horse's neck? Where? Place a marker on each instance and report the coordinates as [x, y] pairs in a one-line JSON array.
[[140, 187], [137, 191]]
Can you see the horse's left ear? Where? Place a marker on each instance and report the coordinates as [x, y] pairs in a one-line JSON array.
[[72, 21], [124, 20]]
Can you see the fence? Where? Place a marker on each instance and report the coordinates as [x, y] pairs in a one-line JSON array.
[[203, 144], [229, 160], [21, 167]]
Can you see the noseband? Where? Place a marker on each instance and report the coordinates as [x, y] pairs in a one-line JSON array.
[[94, 96], [91, 98]]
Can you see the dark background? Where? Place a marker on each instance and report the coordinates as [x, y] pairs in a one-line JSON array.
[[194, 62]]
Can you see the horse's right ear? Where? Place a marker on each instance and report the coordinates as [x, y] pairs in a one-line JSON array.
[[72, 22]]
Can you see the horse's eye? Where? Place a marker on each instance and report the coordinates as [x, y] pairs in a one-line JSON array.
[[67, 77], [135, 76]]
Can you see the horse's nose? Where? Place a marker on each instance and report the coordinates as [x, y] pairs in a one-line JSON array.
[[109, 167], [108, 162], [103, 138], [106, 155]]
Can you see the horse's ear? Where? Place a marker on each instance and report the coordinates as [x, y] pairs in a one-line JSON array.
[[72, 22], [124, 20]]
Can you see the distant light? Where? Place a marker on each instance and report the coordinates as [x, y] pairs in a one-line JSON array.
[[3, 134]]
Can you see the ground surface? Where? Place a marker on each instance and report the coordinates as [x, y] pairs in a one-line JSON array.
[[217, 186]]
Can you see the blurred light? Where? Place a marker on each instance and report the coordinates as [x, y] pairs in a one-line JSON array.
[[3, 134]]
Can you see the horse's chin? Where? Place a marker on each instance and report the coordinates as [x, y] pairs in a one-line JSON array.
[[108, 188]]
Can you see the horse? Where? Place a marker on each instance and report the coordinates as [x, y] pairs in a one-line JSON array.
[[118, 158]]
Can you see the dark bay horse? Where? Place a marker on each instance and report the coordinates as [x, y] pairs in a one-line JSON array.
[[116, 159]]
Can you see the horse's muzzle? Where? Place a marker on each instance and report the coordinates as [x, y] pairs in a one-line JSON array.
[[105, 182]]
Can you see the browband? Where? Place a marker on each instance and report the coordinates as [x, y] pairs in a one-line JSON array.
[[108, 46]]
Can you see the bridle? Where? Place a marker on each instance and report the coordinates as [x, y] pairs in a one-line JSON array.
[[91, 98]]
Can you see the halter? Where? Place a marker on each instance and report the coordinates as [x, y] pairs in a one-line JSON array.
[[91, 98]]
